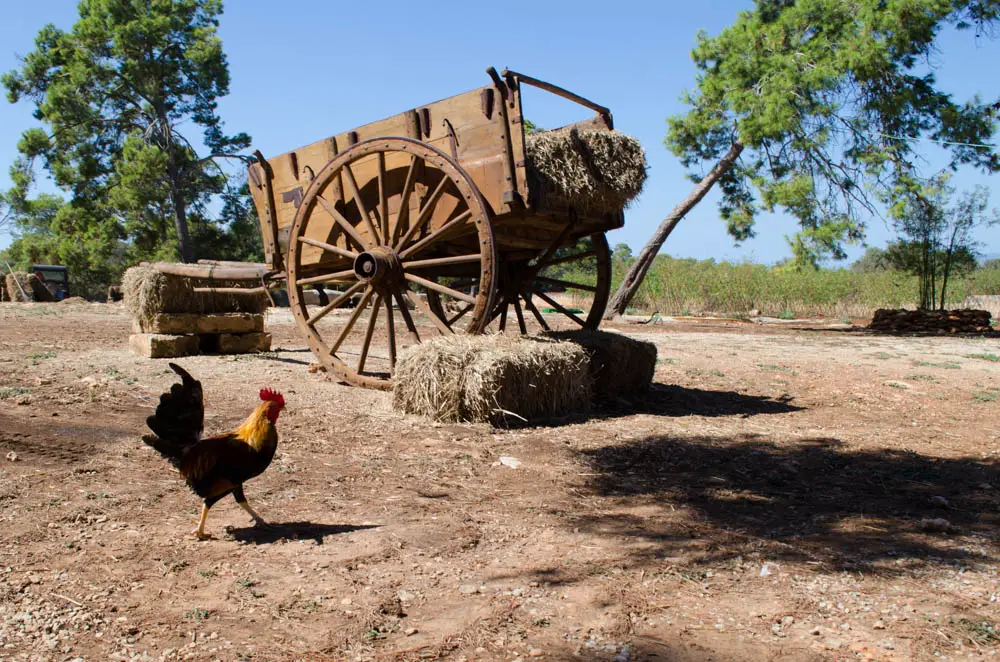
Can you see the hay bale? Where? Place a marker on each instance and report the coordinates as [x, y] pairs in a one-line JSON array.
[[148, 292], [619, 365], [591, 171], [26, 287], [491, 378]]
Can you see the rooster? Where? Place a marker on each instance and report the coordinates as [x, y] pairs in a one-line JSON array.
[[215, 466]]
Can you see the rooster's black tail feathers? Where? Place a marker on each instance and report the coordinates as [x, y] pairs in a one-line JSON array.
[[179, 418]]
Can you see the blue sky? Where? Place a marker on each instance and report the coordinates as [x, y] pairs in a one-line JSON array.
[[301, 72]]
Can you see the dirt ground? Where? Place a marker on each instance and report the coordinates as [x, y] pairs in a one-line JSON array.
[[787, 491]]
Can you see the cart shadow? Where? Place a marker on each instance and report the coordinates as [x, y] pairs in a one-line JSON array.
[[814, 500], [674, 401], [275, 532]]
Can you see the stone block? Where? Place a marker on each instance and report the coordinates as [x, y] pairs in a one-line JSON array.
[[244, 343], [193, 323], [161, 346]]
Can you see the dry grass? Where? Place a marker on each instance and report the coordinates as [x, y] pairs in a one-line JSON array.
[[591, 171], [491, 378], [148, 292], [619, 365]]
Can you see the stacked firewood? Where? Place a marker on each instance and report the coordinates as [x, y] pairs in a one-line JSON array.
[[931, 321]]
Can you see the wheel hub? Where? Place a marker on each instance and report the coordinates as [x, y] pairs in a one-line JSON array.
[[380, 266]]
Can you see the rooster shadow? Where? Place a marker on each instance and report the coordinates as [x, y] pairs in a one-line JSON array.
[[275, 532]]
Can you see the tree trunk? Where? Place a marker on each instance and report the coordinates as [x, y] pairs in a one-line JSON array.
[[180, 221], [633, 279], [176, 192]]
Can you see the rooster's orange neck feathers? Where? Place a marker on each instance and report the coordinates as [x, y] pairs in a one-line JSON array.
[[259, 426]]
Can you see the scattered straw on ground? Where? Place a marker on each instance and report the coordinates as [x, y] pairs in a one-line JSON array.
[[148, 292], [619, 365], [591, 171], [491, 378]]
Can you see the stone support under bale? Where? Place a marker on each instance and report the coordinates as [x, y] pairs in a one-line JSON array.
[[193, 323], [161, 346], [244, 343]]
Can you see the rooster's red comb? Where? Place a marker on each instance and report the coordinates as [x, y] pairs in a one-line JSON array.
[[273, 396]]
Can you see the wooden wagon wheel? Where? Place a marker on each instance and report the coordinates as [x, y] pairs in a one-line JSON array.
[[383, 239], [523, 289]]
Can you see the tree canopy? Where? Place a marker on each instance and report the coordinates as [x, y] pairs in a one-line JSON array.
[[827, 98], [116, 96]]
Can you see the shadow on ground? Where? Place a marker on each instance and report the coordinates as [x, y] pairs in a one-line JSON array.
[[810, 500], [673, 401], [265, 535]]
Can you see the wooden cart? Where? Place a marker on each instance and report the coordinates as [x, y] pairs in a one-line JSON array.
[[428, 210]]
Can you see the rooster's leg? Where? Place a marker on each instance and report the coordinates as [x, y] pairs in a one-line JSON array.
[[242, 500], [209, 502], [200, 531]]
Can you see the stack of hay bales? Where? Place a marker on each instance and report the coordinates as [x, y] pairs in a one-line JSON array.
[[595, 172], [170, 319], [499, 378], [26, 287], [939, 322]]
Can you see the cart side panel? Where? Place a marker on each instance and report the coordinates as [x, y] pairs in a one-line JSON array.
[[463, 126]]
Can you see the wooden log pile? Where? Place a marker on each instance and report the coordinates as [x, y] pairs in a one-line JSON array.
[[940, 322]]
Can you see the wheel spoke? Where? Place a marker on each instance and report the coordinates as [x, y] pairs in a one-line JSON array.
[[411, 328], [354, 318], [356, 194], [351, 291], [383, 200], [391, 328], [404, 203], [520, 317], [442, 261], [326, 278], [437, 287], [342, 221], [434, 236], [554, 246], [329, 248], [368, 334], [566, 284], [560, 308], [567, 258], [426, 310], [461, 314], [534, 311], [425, 212]]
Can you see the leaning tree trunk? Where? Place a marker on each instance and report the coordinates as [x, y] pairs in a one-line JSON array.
[[180, 221], [633, 279], [176, 190]]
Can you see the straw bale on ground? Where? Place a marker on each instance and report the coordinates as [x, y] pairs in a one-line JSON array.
[[26, 287], [148, 292], [619, 365], [591, 171], [491, 378]]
